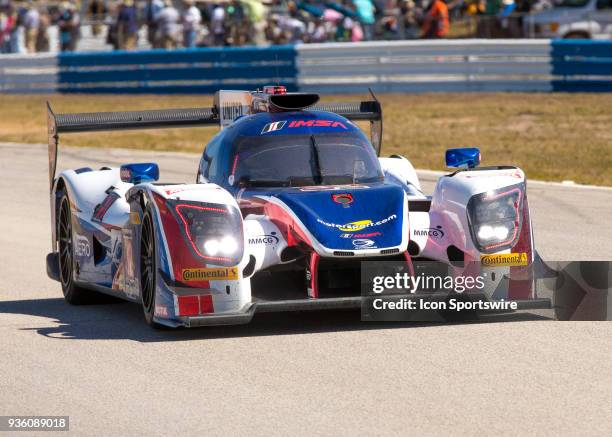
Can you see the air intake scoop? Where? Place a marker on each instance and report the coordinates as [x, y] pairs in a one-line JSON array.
[[291, 101]]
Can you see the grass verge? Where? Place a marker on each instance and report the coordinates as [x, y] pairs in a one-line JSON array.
[[551, 136]]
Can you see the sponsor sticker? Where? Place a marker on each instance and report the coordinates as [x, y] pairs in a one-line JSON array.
[[274, 126], [82, 248], [363, 243], [436, 232], [344, 199], [265, 239], [161, 311], [230, 111], [368, 235], [317, 123], [125, 174], [358, 225], [504, 259], [212, 274], [135, 218]]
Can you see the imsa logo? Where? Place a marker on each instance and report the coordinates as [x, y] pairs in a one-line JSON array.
[[271, 127]]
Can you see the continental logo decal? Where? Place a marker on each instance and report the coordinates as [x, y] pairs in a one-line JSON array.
[[215, 274], [505, 259], [358, 225]]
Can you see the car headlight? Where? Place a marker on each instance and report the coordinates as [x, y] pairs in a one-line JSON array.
[[226, 246], [495, 218], [212, 231]]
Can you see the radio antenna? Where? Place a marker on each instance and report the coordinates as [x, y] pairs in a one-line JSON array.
[[277, 74]]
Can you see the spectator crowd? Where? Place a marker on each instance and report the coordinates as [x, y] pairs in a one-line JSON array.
[[168, 24]]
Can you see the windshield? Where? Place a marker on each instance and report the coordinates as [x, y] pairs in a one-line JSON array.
[[299, 160]]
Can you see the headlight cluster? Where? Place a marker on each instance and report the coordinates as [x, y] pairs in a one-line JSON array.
[[495, 218], [226, 246], [214, 232]]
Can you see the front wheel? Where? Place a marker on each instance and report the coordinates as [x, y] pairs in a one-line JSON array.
[[148, 269]]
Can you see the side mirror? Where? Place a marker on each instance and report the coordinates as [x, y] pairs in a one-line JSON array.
[[141, 172], [468, 157]]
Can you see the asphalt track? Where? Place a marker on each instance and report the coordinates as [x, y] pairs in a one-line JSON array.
[[299, 374]]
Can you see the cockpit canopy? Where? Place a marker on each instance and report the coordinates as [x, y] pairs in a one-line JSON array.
[[307, 159], [288, 149]]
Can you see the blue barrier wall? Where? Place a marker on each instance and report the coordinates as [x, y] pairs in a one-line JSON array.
[[471, 65], [586, 66], [202, 71]]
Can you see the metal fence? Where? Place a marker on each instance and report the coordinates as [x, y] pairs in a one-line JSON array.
[[457, 65], [33, 73], [433, 65], [389, 66]]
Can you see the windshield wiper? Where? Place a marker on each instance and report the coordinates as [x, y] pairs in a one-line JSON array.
[[315, 163]]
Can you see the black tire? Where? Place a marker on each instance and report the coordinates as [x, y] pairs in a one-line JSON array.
[[73, 294], [148, 269]]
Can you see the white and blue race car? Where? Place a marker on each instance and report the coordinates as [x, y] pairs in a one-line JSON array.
[[289, 186]]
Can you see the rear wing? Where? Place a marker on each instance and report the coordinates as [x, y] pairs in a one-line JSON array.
[[130, 120], [227, 106]]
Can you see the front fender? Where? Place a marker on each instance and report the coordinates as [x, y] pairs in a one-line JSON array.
[[228, 293], [451, 197]]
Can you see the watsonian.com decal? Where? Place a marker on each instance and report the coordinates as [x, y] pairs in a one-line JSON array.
[[358, 225]]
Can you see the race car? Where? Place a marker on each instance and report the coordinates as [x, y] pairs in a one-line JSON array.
[[288, 187]]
